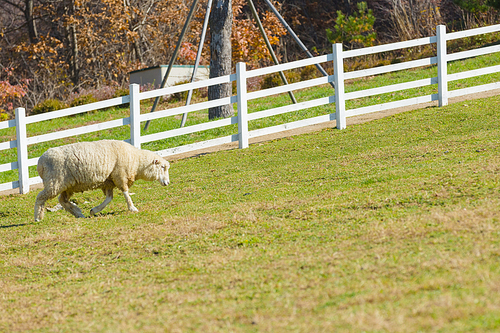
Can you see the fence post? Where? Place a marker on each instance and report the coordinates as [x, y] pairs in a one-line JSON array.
[[241, 85], [22, 151], [442, 65], [338, 74], [135, 113]]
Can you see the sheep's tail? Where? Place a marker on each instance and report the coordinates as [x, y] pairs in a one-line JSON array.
[[40, 169]]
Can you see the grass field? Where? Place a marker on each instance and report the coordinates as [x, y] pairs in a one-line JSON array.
[[387, 226], [169, 123]]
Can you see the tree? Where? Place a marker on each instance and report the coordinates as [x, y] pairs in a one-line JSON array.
[[409, 19], [221, 19], [476, 11], [473, 6], [248, 44], [71, 36], [26, 7], [64, 46], [356, 30], [494, 3]]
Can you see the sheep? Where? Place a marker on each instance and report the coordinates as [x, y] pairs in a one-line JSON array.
[[102, 164]]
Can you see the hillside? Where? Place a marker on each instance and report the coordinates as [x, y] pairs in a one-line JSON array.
[[390, 225]]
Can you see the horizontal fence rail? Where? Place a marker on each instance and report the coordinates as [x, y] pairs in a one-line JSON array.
[[242, 134]]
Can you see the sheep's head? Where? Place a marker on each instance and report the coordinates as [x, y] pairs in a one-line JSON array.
[[163, 167], [158, 170]]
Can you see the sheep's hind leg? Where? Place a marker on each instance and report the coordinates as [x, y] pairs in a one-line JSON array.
[[41, 198], [69, 206], [109, 196]]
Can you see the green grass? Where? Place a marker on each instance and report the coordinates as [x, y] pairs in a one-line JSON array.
[[159, 125], [387, 226]]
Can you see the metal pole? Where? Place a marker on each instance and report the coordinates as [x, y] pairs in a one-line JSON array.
[[268, 44], [198, 56], [179, 42], [297, 39]]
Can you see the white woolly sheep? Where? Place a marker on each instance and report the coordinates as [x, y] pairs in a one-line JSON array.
[[102, 164]]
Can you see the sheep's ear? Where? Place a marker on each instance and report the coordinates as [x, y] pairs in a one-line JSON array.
[[156, 162]]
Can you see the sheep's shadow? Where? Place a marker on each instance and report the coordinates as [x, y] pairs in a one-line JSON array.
[[101, 214], [13, 225], [7, 214]]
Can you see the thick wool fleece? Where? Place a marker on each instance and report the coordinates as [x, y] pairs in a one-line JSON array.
[[102, 164]]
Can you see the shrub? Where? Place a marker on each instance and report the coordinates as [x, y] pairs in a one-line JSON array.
[[274, 80], [308, 72], [47, 106], [83, 99], [254, 83], [147, 87], [9, 94], [271, 80], [120, 92], [180, 96], [4, 115], [90, 95]]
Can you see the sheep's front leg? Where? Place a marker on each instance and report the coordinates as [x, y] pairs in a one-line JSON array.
[[109, 196], [130, 204], [123, 184], [69, 206]]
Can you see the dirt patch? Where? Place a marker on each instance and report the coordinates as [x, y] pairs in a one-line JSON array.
[[307, 129]]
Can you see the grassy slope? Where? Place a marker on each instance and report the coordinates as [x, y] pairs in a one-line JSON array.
[[159, 125], [390, 226]]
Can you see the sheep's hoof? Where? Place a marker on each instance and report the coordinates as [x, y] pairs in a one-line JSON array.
[[133, 209]]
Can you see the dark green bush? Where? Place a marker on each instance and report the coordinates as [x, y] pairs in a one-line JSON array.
[[274, 80], [47, 106], [120, 92], [83, 99], [182, 96], [308, 73]]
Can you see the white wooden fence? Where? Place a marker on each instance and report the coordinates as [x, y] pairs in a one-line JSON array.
[[242, 97]]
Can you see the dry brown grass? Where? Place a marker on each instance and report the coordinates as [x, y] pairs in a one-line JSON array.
[[383, 227]]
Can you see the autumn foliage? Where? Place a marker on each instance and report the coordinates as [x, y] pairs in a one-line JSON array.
[[10, 94], [56, 48], [63, 46], [248, 43]]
